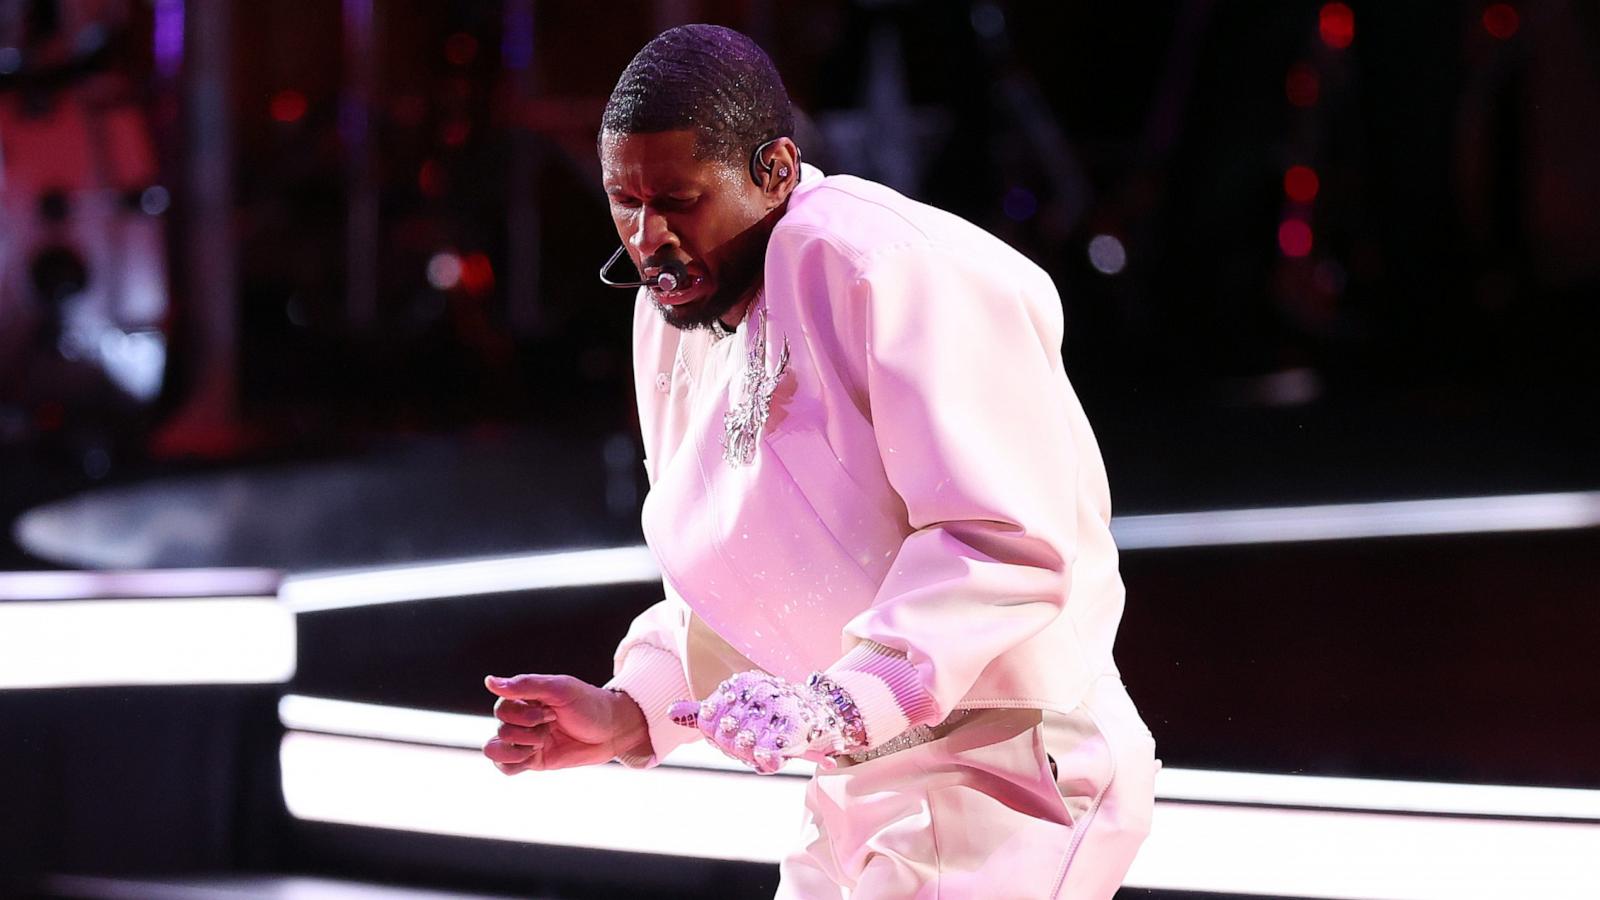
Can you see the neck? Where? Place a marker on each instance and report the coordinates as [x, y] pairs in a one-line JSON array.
[[756, 238], [734, 316]]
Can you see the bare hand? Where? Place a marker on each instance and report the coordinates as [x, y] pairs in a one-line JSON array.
[[557, 721]]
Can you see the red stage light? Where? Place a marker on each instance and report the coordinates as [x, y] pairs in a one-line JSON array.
[[288, 106], [460, 48], [456, 133], [1300, 183], [430, 178], [1302, 86], [1337, 25], [477, 274], [1294, 238], [1501, 20]]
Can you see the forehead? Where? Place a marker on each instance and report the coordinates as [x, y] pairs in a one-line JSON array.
[[655, 159]]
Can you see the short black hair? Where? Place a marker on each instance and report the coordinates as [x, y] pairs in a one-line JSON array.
[[708, 78]]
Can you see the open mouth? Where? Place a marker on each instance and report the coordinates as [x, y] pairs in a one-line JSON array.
[[674, 284], [673, 298]]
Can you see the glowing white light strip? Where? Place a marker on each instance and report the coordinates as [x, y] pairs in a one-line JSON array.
[[717, 815], [579, 568], [1364, 856], [1378, 794], [440, 790], [631, 565], [394, 723], [238, 887], [152, 583], [445, 729], [342, 717], [1349, 521], [82, 643]]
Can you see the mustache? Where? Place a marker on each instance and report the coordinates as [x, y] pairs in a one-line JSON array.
[[669, 263], [672, 273]]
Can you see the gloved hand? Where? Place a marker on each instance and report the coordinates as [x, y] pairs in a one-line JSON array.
[[763, 721]]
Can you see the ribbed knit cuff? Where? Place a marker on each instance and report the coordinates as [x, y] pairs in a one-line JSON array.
[[654, 679], [884, 686]]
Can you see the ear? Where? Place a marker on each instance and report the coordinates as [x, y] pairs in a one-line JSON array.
[[779, 167]]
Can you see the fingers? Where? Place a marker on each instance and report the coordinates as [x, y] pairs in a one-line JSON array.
[[522, 712], [525, 711], [554, 690], [526, 737], [504, 753]]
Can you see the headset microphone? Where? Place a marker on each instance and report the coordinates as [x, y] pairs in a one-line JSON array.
[[672, 276]]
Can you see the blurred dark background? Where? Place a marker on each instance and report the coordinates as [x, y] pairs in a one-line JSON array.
[[305, 285], [1304, 254]]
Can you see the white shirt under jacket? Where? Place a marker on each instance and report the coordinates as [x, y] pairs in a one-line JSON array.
[[926, 516]]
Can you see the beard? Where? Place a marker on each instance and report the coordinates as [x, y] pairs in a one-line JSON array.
[[698, 314], [742, 260], [735, 269]]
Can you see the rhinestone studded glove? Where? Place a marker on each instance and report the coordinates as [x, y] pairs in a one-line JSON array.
[[763, 721]]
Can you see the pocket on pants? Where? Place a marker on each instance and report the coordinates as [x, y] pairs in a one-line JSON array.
[[998, 823]]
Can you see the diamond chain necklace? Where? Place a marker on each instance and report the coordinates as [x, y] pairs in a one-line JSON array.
[[742, 423]]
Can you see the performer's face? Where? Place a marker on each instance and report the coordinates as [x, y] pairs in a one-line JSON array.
[[669, 205]]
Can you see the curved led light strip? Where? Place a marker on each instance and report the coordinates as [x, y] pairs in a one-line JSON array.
[[465, 578], [1352, 521], [418, 726], [634, 565], [416, 770], [87, 643], [145, 584]]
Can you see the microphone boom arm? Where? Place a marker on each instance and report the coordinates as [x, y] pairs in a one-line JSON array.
[[672, 276]]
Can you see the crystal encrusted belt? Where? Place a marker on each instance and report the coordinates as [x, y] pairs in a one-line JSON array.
[[911, 737]]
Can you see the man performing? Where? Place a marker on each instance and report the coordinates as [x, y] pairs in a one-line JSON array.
[[881, 517]]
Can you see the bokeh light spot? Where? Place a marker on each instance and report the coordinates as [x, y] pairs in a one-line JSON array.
[[430, 179], [1501, 20], [444, 270], [1019, 204], [288, 106], [1300, 183], [1336, 22], [154, 200], [1302, 86], [1294, 238], [1107, 254], [477, 274]]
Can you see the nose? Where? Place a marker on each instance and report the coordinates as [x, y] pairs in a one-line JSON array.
[[653, 235]]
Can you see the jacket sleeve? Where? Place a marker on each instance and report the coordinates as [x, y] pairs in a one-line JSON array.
[[649, 665], [648, 669], [969, 403]]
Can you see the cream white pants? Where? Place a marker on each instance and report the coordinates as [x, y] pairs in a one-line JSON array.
[[978, 813]]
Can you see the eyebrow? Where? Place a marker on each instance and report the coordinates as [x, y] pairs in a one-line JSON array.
[[672, 188]]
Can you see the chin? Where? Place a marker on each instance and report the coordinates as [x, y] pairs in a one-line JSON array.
[[696, 314]]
